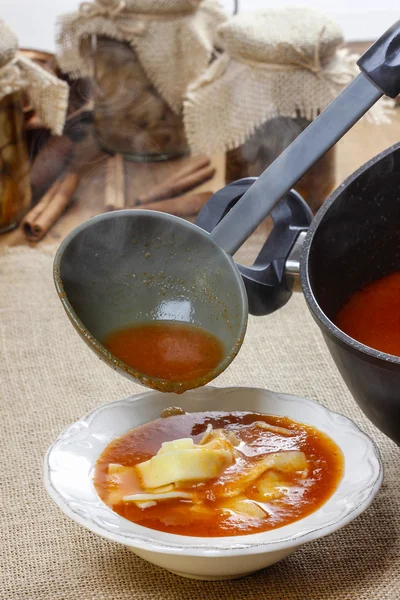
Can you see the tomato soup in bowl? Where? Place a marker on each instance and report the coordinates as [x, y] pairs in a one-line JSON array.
[[213, 491], [213, 474]]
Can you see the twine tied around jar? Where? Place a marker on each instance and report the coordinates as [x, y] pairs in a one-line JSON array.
[[10, 78], [108, 8], [112, 11]]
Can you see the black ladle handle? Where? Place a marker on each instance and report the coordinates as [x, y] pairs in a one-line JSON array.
[[379, 64], [268, 283]]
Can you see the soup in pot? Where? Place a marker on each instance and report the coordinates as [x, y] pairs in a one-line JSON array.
[[372, 315]]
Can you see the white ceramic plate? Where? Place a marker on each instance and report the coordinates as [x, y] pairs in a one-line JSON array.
[[70, 461]]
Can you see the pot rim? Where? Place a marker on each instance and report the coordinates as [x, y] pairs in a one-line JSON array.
[[388, 361]]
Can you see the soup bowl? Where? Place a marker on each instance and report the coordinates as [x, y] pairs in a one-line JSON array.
[[69, 466]]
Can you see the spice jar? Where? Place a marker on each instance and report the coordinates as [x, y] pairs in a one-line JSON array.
[[279, 68], [266, 144], [22, 82], [141, 56], [130, 116], [15, 191]]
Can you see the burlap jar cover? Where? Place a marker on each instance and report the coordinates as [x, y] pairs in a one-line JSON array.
[[47, 94], [173, 39], [278, 62]]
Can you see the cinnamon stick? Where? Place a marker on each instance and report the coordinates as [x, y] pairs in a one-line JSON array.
[[29, 219], [49, 164], [175, 187], [192, 165], [183, 206], [36, 225], [115, 185]]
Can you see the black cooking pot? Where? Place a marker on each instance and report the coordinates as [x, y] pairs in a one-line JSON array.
[[353, 240]]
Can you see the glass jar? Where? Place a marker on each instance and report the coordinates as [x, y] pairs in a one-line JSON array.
[[266, 144], [130, 116], [15, 189]]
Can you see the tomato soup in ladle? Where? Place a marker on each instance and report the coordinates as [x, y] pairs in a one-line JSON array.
[[170, 350], [372, 315]]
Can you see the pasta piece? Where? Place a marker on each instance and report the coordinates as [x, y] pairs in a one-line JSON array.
[[163, 489], [219, 442], [120, 481], [144, 505], [156, 497], [198, 508], [232, 438], [219, 434], [198, 464], [181, 444], [206, 435], [267, 487], [114, 468], [274, 429], [244, 506], [244, 480], [289, 461]]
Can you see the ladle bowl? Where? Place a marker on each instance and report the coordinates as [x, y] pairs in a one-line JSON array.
[[134, 266]]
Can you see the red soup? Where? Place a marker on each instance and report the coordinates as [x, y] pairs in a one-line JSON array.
[[372, 315], [218, 473], [167, 349]]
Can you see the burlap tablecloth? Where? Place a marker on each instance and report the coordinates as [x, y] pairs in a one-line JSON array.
[[49, 378]]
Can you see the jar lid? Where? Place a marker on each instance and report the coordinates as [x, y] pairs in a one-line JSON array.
[[47, 94], [281, 36], [8, 44]]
